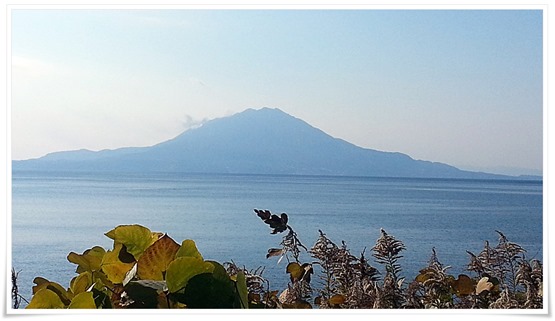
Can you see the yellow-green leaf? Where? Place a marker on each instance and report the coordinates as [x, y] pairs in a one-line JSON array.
[[295, 271], [114, 269], [182, 269], [155, 260], [60, 291], [90, 260], [189, 249], [45, 299], [101, 279], [136, 238], [40, 284], [424, 275], [83, 300], [242, 289], [81, 282]]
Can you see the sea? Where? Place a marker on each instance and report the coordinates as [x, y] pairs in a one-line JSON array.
[[55, 213]]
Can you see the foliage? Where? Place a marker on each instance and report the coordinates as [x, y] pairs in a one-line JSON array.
[[146, 269]]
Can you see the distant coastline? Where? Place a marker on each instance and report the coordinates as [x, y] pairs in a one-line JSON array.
[[58, 172], [263, 141]]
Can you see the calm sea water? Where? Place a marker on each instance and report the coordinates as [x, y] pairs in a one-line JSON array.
[[56, 213]]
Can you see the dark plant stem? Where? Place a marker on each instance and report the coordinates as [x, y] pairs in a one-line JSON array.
[[16, 297]]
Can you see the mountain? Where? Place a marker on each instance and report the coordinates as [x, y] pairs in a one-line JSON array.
[[264, 141]]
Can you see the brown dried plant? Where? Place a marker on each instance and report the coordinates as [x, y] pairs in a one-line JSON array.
[[504, 279], [530, 276], [505, 266], [290, 242], [432, 288], [387, 252], [348, 281], [299, 289]]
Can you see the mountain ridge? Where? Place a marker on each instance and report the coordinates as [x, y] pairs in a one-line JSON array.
[[255, 141]]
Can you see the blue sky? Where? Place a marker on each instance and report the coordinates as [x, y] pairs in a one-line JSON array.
[[463, 87]]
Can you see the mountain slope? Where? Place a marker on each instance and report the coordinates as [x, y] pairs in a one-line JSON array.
[[264, 141]]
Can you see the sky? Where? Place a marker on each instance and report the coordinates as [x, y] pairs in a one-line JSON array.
[[462, 87]]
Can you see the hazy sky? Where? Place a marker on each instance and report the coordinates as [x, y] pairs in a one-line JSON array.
[[463, 87]]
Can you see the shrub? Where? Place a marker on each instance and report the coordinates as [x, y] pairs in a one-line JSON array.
[[144, 270]]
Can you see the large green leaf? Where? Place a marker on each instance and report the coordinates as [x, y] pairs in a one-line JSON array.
[[215, 290], [188, 248], [83, 300], [60, 291], [90, 260], [182, 269], [81, 282], [205, 291], [155, 260], [45, 299], [220, 273], [242, 290], [111, 265], [136, 238]]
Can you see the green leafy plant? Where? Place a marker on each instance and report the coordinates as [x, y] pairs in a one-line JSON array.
[[144, 269]]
